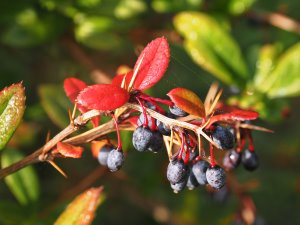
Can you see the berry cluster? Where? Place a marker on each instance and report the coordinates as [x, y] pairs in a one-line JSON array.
[[182, 128]]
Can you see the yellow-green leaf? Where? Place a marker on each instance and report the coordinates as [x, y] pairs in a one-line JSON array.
[[212, 47], [81, 211], [55, 103], [23, 184], [12, 106], [264, 66], [284, 81]]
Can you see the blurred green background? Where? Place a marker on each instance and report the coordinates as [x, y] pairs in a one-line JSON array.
[[250, 47]]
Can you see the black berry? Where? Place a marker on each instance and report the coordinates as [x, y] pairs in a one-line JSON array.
[[216, 177], [103, 154], [115, 160], [231, 159], [177, 187], [192, 182], [176, 171], [163, 128], [199, 170], [223, 137], [250, 160], [144, 139], [141, 120], [175, 110]]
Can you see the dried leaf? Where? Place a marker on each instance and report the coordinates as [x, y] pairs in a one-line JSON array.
[[187, 101], [12, 106], [81, 211], [103, 97], [68, 150]]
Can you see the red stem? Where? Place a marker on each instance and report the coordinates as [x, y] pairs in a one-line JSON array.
[[250, 139], [118, 133], [144, 112], [212, 157], [163, 101], [152, 101]]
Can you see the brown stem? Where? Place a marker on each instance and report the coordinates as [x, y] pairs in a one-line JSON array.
[[277, 20], [42, 153]]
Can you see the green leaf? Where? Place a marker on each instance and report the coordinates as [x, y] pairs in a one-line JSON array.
[[12, 106], [82, 209], [212, 47], [167, 6], [12, 213], [264, 65], [237, 7], [96, 32], [129, 8], [23, 184], [284, 81], [30, 29], [55, 103]]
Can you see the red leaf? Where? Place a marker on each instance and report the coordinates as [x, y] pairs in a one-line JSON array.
[[237, 114], [155, 60], [118, 79], [69, 151], [72, 87], [103, 97], [187, 101]]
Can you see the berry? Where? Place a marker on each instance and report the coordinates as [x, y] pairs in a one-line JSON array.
[[192, 182], [115, 160], [221, 195], [177, 187], [250, 160], [199, 170], [223, 137], [216, 177], [103, 154], [156, 142], [163, 128], [144, 139], [232, 159], [141, 120], [192, 156], [176, 171], [175, 110]]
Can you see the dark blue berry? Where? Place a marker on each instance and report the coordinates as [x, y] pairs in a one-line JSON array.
[[221, 195], [231, 159], [176, 171], [115, 160], [193, 154], [175, 110], [103, 154], [163, 128], [177, 187], [141, 120], [223, 137], [144, 139], [199, 170], [250, 160], [216, 177], [192, 182]]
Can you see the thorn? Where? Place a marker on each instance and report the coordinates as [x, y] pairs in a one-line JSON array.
[[215, 101], [253, 127], [211, 94], [58, 168], [48, 136], [135, 74]]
